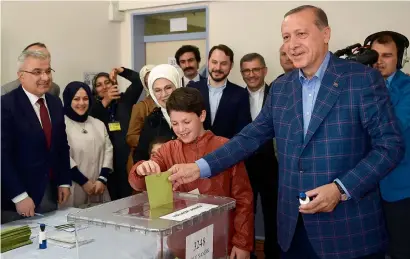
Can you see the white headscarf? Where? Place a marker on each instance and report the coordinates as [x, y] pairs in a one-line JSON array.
[[168, 72], [143, 72]]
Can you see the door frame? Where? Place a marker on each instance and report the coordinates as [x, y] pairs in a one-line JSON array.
[[138, 40]]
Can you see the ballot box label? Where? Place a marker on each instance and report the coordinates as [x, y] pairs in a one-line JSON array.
[[199, 245], [189, 212]]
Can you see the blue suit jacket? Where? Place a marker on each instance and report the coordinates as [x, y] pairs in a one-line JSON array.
[[26, 161], [396, 185], [233, 111], [353, 135]]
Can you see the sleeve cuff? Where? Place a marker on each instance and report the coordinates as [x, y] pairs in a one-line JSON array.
[[20, 197], [204, 169], [343, 187], [77, 176], [105, 172]]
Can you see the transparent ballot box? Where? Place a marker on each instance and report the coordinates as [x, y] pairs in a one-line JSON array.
[[193, 226]]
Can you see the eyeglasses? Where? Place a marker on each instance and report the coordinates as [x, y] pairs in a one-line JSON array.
[[38, 72], [256, 71]]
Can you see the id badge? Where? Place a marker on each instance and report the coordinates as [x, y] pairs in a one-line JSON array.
[[114, 126]]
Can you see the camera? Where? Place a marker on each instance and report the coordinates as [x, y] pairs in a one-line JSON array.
[[359, 53]]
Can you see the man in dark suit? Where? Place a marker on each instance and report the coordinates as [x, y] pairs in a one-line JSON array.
[[8, 87], [336, 136], [254, 70], [35, 154], [226, 103], [188, 58]]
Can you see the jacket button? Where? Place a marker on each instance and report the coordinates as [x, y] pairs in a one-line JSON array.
[[301, 171]]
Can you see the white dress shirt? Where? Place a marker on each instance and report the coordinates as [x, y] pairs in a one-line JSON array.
[[256, 101], [187, 80], [36, 106]]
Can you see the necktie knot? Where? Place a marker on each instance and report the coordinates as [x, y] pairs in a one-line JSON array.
[[40, 101]]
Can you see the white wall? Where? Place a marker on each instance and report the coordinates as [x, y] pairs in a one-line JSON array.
[[78, 34], [255, 26]]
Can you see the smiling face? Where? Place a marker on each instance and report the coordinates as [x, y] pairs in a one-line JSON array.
[[219, 65], [102, 84], [80, 102], [188, 126], [304, 42], [162, 89]]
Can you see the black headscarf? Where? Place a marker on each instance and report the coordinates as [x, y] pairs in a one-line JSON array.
[[68, 95]]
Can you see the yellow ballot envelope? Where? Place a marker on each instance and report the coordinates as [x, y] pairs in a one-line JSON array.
[[159, 189]]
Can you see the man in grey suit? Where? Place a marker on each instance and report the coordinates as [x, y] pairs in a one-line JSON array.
[[8, 87]]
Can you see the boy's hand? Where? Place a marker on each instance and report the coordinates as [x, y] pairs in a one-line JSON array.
[[239, 254], [147, 168]]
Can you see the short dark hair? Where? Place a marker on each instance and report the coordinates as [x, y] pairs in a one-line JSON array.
[[252, 56], [158, 140], [225, 49], [384, 39], [39, 44], [186, 99], [188, 48], [321, 17]]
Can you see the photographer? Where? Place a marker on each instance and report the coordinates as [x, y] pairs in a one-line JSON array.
[[114, 109], [395, 187]]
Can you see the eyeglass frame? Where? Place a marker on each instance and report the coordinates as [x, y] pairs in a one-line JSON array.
[[247, 72], [40, 73]]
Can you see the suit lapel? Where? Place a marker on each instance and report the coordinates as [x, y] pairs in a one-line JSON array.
[[205, 95], [225, 101], [295, 107], [326, 98], [29, 113]]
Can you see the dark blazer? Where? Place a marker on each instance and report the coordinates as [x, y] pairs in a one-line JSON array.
[[25, 158], [233, 111], [353, 135]]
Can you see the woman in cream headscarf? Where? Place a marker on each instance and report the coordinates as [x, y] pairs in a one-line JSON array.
[[162, 81], [139, 112]]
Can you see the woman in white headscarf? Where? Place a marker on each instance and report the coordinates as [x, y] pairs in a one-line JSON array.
[[162, 81], [139, 112]]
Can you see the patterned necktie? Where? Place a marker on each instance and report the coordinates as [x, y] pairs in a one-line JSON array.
[[45, 121]]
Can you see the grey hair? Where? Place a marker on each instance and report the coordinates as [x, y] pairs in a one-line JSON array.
[[30, 53]]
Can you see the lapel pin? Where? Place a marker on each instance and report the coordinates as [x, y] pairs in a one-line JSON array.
[[335, 84]]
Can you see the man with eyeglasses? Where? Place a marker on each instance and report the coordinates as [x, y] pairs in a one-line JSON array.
[[34, 150], [8, 87], [262, 166]]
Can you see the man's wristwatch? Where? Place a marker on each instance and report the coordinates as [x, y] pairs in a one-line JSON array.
[[343, 195]]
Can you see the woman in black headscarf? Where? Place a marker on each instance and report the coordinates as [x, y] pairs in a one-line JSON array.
[[114, 109], [91, 151]]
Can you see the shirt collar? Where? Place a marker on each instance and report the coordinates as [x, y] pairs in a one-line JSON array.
[[217, 88], [33, 98], [195, 79], [320, 73], [262, 89], [390, 78]]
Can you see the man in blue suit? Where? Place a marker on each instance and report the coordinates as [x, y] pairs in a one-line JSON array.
[[336, 136], [226, 103], [395, 187], [35, 153]]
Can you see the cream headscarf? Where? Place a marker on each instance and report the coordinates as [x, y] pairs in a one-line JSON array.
[[143, 72], [168, 72]]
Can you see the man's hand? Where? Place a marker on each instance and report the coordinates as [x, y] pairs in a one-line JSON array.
[[114, 72], [26, 207], [326, 198], [113, 93], [147, 168], [89, 187], [183, 173], [63, 194], [239, 254], [99, 187]]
